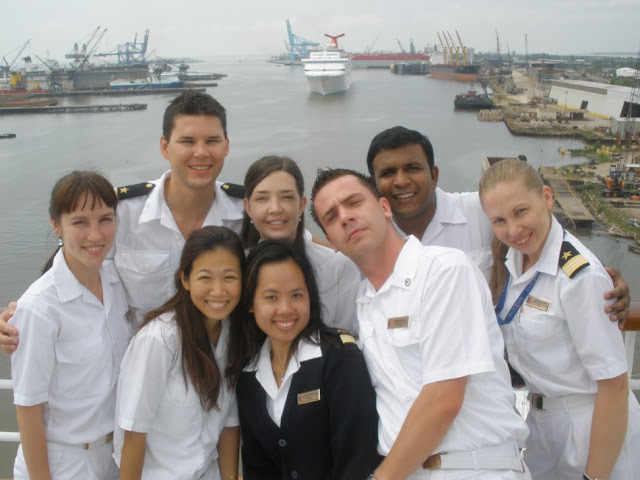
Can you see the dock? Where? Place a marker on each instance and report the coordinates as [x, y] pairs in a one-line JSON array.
[[115, 93], [571, 206], [128, 107]]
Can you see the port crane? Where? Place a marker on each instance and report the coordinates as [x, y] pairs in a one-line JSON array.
[[464, 49], [457, 50], [80, 56], [9, 65], [130, 53], [297, 45], [445, 52]]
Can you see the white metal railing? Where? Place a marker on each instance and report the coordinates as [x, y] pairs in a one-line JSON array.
[[8, 436]]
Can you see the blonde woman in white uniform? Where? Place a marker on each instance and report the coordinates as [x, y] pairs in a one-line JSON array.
[[73, 334], [584, 420]]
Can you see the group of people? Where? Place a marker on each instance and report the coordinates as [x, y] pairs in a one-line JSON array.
[[183, 318]]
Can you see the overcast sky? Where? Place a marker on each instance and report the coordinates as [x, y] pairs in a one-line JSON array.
[[245, 27]]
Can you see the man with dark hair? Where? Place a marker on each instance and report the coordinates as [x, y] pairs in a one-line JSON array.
[[156, 217], [402, 164], [431, 341]]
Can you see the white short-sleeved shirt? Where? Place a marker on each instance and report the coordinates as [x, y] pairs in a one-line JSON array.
[[149, 244], [567, 348], [182, 437], [338, 281], [452, 332], [459, 222], [277, 397], [70, 350]]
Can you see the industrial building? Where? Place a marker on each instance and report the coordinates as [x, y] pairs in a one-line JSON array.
[[600, 99]]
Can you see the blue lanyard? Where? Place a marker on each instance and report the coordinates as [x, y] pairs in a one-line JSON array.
[[518, 303]]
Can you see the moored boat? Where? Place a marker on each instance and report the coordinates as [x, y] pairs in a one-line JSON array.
[[472, 100], [466, 73], [165, 80]]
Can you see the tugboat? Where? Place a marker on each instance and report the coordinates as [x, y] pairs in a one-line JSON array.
[[472, 100]]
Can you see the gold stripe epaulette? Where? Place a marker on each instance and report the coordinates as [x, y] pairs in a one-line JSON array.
[[132, 191], [233, 190], [571, 261], [345, 336]]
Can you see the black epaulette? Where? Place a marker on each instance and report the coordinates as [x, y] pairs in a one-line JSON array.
[[132, 191], [233, 190], [571, 261]]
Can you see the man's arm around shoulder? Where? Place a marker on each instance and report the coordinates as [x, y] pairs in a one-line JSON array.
[[426, 424]]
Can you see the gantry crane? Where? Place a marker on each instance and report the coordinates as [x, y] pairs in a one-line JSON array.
[[297, 45]]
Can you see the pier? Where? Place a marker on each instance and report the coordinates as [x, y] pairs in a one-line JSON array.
[[114, 93], [128, 107], [572, 207]]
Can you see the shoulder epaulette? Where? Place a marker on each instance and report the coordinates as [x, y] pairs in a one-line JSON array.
[[233, 190], [345, 336], [571, 261], [132, 191]]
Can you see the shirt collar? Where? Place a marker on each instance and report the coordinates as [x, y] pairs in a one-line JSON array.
[[68, 286], [404, 270], [548, 261], [156, 208], [448, 211]]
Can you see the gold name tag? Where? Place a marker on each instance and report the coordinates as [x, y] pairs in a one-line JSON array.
[[398, 322], [309, 397], [538, 303]]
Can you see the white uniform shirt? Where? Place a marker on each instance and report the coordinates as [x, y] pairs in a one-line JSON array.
[[452, 333], [338, 281], [70, 350], [277, 397], [566, 349], [149, 244], [459, 222], [182, 437]]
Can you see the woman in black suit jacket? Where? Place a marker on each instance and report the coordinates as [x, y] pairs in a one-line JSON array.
[[306, 405]]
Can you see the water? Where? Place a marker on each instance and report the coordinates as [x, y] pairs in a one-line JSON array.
[[270, 111]]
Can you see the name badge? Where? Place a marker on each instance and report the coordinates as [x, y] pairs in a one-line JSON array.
[[538, 303], [398, 322], [309, 397]]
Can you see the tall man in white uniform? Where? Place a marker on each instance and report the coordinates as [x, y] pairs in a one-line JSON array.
[[431, 341], [155, 218], [402, 164]]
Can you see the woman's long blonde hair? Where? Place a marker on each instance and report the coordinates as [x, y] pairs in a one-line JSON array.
[[505, 171]]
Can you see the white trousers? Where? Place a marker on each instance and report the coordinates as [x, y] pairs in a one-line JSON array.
[[73, 463], [558, 445], [469, 475]]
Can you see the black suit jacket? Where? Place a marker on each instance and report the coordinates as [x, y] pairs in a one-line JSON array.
[[333, 438]]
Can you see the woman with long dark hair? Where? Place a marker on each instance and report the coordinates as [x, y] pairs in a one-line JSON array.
[[305, 399], [274, 210], [176, 416], [73, 334]]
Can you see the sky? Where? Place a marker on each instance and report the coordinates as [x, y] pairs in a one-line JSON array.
[[190, 28]]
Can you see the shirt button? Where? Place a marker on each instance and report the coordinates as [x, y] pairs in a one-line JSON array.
[[407, 398], [294, 474], [282, 442]]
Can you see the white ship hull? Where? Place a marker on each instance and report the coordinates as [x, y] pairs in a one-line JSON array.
[[328, 72]]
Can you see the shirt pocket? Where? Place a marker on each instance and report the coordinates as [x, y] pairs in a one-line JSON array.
[[406, 344], [147, 275], [84, 368], [543, 339], [180, 414]]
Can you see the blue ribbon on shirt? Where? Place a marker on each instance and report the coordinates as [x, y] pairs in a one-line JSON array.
[[518, 303]]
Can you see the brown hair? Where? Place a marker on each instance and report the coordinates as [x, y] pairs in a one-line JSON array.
[[323, 177], [198, 360], [192, 103], [88, 187], [257, 172]]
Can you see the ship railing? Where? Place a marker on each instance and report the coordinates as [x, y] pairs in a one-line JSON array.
[[631, 327]]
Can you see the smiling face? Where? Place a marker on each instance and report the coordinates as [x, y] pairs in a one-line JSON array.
[[354, 220], [196, 150], [520, 217], [281, 302], [403, 177], [87, 234], [215, 283], [275, 207]]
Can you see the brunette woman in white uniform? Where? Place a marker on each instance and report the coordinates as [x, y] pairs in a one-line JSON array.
[[73, 334]]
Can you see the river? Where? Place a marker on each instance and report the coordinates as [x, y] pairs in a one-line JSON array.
[[270, 111]]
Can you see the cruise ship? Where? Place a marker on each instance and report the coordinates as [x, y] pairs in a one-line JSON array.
[[328, 71]]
